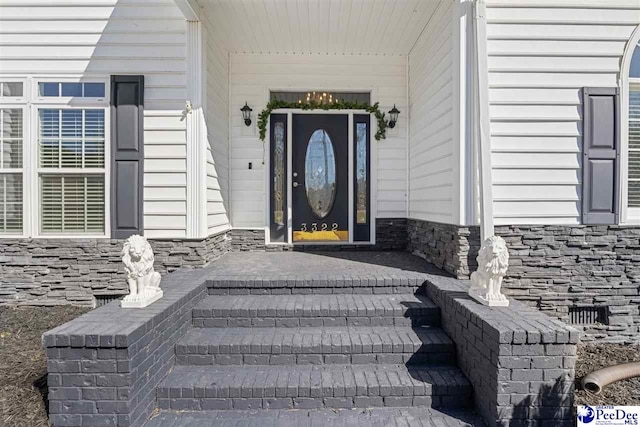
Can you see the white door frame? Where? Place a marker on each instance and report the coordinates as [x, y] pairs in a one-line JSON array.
[[372, 179]]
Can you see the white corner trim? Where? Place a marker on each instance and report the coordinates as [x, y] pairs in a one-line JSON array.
[[484, 121], [196, 136], [189, 8]]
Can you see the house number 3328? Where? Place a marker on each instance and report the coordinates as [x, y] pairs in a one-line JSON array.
[[314, 227]]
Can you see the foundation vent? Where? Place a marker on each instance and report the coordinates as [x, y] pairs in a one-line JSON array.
[[588, 315], [105, 299]]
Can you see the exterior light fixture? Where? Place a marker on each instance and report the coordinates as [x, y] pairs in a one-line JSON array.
[[393, 116], [246, 114]]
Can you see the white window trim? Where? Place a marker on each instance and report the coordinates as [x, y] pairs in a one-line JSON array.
[[631, 215], [628, 215], [23, 169], [16, 99], [31, 197]]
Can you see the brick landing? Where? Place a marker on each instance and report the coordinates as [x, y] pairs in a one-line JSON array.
[[319, 272]]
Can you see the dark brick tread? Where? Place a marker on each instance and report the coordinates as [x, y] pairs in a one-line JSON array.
[[331, 271], [311, 387], [374, 417], [281, 346], [314, 310]]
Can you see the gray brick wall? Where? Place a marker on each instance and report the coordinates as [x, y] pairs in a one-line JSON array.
[[105, 365], [72, 271], [552, 267], [520, 362]]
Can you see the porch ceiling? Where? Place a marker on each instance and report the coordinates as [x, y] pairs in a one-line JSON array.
[[350, 27]]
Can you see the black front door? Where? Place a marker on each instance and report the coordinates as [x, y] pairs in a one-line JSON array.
[[320, 177]]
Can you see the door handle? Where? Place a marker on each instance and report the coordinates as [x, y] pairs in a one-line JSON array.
[[295, 184]]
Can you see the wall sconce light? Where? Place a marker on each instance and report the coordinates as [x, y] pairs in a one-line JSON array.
[[393, 116], [246, 114]]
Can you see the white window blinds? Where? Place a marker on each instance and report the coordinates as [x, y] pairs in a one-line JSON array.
[[71, 159], [634, 145], [11, 143]]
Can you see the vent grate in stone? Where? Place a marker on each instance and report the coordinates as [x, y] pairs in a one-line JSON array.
[[588, 315], [101, 300]]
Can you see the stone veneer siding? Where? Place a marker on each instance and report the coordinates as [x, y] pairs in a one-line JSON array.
[[551, 267], [557, 267], [520, 362], [391, 235], [449, 247], [72, 271]]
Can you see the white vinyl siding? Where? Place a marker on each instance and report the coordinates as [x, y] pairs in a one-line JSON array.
[[540, 58], [431, 136], [217, 124], [253, 75], [89, 39], [165, 174]]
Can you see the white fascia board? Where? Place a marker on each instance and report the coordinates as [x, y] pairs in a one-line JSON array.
[[189, 8]]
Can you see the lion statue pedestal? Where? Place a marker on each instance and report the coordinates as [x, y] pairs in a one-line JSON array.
[[144, 282], [486, 282]]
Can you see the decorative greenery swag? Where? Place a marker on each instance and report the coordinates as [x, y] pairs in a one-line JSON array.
[[263, 117]]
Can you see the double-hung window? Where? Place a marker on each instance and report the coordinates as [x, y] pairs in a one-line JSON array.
[[71, 170], [71, 144], [54, 146]]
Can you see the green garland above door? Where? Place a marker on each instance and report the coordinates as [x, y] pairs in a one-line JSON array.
[[263, 117]]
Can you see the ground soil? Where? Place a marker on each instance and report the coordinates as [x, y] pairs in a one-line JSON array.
[[596, 356], [23, 380]]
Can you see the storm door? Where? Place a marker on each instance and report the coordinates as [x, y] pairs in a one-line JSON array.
[[320, 178]]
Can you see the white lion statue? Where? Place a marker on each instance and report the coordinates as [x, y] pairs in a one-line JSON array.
[[486, 282], [144, 282]]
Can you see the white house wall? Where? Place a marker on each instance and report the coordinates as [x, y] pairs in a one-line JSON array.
[[539, 60], [58, 38], [217, 120], [252, 75], [432, 134]]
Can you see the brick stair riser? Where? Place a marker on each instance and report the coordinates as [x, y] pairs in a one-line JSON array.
[[436, 358], [295, 322], [275, 290], [459, 401]]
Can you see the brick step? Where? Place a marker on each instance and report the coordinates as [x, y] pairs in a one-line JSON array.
[[315, 310], [304, 346], [373, 417], [310, 387], [312, 286]]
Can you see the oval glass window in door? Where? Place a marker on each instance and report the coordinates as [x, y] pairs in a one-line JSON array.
[[320, 173]]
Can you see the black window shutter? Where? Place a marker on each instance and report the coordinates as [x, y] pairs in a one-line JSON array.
[[601, 154], [127, 154]]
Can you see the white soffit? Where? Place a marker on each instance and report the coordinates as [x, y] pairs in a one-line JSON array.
[[347, 27]]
